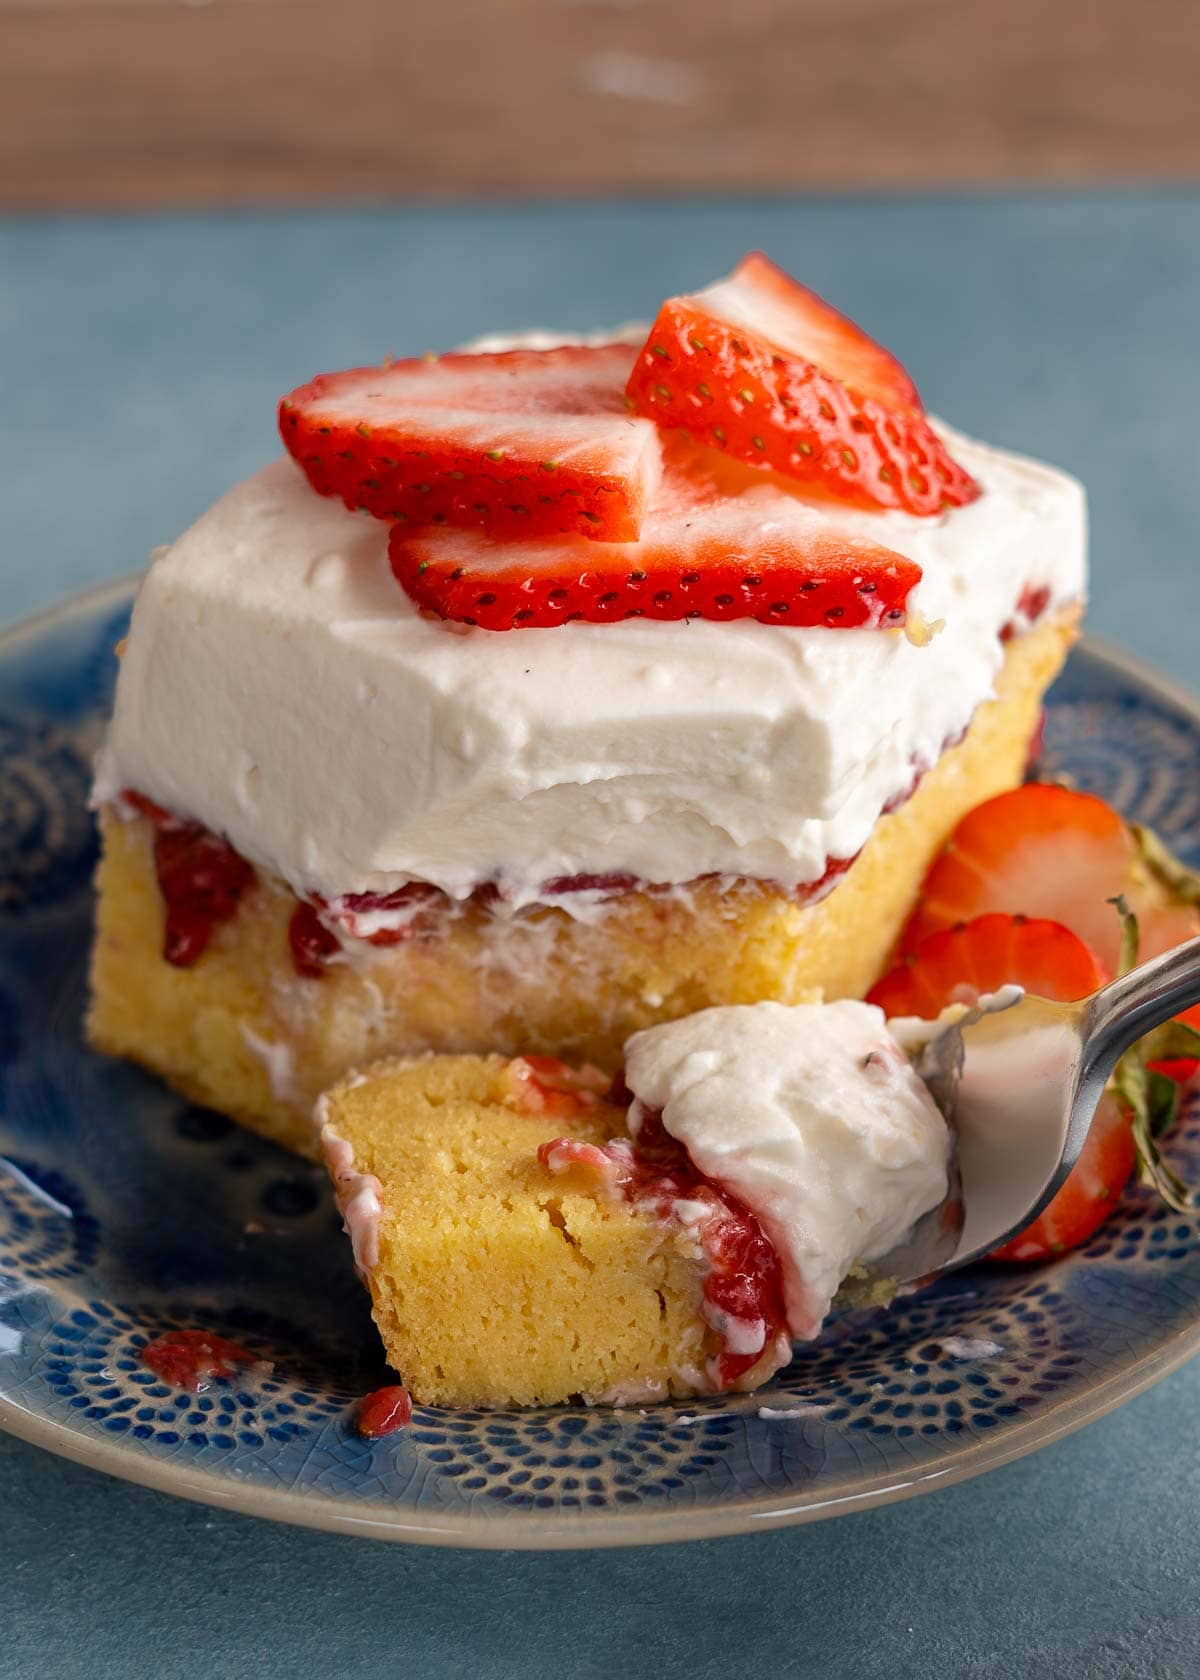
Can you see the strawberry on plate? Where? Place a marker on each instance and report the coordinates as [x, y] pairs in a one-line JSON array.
[[962, 963], [716, 543], [762, 368], [1045, 850], [520, 443]]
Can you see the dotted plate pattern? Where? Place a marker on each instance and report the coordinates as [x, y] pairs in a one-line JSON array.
[[242, 1240]]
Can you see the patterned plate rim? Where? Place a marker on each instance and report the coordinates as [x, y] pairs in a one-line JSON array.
[[530, 1530]]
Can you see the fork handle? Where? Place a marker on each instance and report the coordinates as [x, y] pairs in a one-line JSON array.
[[1126, 1009]]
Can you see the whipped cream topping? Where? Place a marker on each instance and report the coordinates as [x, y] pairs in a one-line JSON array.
[[279, 687], [812, 1115]]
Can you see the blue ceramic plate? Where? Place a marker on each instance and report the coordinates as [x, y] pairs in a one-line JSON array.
[[123, 1211]]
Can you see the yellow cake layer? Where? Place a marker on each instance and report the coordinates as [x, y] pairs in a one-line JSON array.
[[498, 1283], [242, 1033]]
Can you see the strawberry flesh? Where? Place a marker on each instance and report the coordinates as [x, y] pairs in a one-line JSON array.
[[963, 963], [714, 545], [1046, 850], [519, 443], [1052, 851], [762, 368]]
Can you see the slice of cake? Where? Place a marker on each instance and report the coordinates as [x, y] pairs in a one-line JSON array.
[[528, 1238], [346, 814]]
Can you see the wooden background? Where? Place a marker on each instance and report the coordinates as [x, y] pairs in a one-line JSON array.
[[152, 102]]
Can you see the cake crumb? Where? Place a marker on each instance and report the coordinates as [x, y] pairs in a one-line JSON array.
[[969, 1347]]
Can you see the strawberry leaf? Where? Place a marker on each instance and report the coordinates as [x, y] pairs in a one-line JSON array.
[[1162, 1102], [1129, 935], [1174, 1041], [1153, 1170]]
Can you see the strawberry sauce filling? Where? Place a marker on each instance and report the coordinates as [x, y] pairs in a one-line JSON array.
[[201, 879], [384, 1412], [310, 941], [1031, 604], [544, 1085], [743, 1286], [193, 1359]]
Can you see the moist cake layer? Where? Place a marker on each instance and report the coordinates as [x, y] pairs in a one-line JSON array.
[[279, 688], [493, 1281]]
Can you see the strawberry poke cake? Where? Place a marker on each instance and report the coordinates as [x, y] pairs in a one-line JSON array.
[[542, 694]]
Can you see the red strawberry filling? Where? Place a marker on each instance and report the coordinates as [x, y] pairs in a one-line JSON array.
[[194, 1358], [1031, 604], [763, 369], [743, 1286], [201, 878], [545, 1085], [311, 942], [524, 443], [384, 1412]]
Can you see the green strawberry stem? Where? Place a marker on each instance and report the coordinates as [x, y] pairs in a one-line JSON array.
[[1181, 882], [1150, 1098]]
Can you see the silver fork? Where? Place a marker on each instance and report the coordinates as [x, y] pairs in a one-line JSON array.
[[1019, 1082]]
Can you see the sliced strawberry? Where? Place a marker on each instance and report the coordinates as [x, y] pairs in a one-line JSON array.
[[963, 963], [715, 544], [520, 443], [1049, 851], [764, 369], [1041, 850], [958, 966]]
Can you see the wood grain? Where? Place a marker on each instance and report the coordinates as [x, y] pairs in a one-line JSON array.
[[154, 102]]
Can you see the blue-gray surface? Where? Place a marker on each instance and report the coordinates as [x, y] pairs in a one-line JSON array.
[[141, 361]]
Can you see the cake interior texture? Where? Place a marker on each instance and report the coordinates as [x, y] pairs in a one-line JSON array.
[[242, 1032], [494, 1282]]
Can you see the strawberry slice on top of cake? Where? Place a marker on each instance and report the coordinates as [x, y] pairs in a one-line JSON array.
[[768, 372], [543, 693], [522, 443]]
